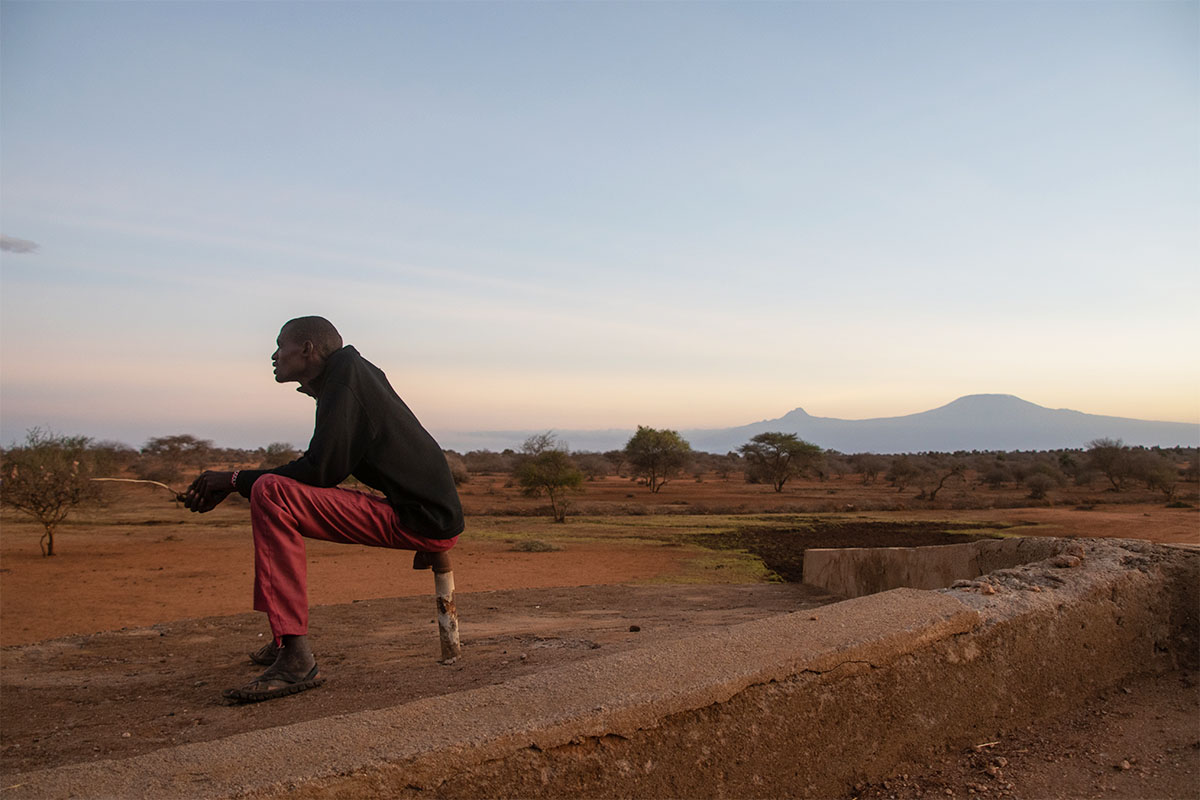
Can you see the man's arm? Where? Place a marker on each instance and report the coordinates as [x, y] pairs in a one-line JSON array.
[[207, 491]]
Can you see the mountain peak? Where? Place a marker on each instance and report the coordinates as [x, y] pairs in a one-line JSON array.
[[972, 422], [992, 400]]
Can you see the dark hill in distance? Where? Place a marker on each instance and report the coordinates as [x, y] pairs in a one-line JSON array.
[[974, 422]]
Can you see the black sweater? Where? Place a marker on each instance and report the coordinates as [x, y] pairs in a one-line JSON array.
[[364, 429]]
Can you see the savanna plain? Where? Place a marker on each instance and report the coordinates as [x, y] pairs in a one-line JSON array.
[[122, 641]]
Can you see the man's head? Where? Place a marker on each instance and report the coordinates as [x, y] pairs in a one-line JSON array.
[[303, 346]]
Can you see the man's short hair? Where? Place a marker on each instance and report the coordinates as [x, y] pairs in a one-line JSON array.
[[318, 330]]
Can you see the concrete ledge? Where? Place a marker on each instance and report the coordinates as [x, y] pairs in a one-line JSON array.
[[799, 705], [858, 571]]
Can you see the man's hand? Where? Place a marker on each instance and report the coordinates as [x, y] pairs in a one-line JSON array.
[[207, 491]]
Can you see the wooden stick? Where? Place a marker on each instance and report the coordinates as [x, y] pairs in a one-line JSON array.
[[178, 495]]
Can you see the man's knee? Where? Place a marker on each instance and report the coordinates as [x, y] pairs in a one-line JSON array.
[[266, 489]]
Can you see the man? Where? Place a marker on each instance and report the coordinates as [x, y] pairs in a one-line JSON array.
[[363, 429]]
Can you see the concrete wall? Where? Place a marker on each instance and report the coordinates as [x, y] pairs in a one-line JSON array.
[[800, 705], [858, 571]]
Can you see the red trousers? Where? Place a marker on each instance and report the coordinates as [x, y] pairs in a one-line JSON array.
[[284, 511]]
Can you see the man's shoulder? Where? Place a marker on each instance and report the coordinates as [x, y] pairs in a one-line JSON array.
[[348, 367], [345, 362]]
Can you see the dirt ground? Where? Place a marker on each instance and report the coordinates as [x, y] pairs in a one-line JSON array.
[[123, 641], [144, 560], [110, 695], [1139, 741]]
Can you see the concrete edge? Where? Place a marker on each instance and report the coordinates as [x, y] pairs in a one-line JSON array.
[[618, 694]]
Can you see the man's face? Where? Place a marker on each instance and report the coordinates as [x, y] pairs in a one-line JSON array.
[[291, 357]]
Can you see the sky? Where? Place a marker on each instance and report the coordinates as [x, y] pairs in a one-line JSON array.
[[560, 215]]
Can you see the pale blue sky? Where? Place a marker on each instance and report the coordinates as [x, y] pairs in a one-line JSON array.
[[568, 215]]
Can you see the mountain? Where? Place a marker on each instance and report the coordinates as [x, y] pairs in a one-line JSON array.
[[974, 422]]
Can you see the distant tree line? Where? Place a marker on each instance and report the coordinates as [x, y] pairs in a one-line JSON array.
[[48, 474]]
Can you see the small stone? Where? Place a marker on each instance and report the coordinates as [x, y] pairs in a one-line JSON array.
[[1065, 561], [523, 656], [1124, 766], [126, 735], [987, 588], [634, 628], [1001, 761]]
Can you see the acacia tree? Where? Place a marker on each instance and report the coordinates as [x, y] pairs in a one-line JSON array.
[[1112, 459], [547, 469], [938, 476], [46, 478], [1156, 471], [776, 457], [657, 455]]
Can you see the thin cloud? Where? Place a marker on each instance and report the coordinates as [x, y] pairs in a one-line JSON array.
[[11, 244]]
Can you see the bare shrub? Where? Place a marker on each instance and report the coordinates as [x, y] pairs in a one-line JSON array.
[[1039, 483], [165, 457], [593, 465], [276, 454], [458, 467], [46, 478], [485, 462]]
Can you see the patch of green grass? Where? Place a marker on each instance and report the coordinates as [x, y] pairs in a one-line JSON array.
[[534, 546], [994, 533], [720, 566]]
